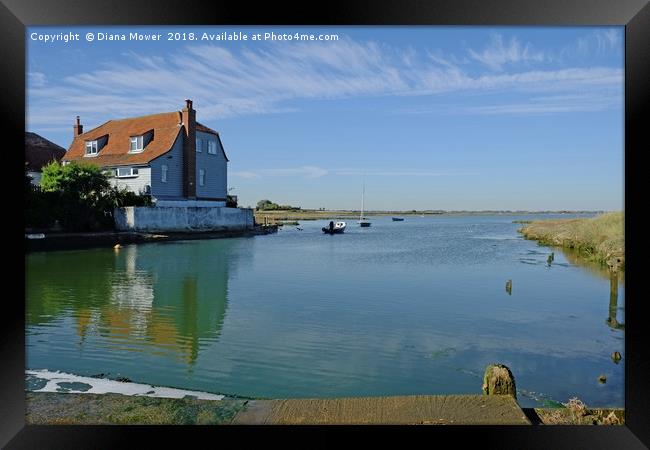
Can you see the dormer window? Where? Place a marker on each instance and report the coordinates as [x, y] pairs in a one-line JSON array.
[[212, 147], [199, 141], [137, 144], [91, 148]]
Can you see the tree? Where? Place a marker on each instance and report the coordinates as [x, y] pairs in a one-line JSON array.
[[268, 205], [263, 205]]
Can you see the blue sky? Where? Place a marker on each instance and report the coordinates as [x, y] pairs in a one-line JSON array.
[[454, 118]]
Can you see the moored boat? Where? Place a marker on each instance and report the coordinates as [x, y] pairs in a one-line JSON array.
[[334, 228], [398, 219]]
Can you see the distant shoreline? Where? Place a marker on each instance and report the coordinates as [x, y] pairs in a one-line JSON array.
[[312, 214]]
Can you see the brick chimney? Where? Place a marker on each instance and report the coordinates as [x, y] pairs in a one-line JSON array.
[[188, 117], [78, 128]]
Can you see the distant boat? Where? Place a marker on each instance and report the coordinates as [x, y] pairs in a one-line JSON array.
[[362, 220], [334, 228], [398, 219]]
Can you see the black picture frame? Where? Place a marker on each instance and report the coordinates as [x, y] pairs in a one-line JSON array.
[[15, 15]]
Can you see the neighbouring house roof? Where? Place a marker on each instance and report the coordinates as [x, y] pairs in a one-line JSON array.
[[40, 152]]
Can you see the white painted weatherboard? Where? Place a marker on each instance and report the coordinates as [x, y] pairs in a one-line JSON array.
[[136, 183]]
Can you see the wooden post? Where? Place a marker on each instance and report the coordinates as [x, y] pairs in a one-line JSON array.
[[613, 299], [498, 380]]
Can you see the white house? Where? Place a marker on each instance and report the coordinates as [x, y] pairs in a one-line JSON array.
[[170, 156]]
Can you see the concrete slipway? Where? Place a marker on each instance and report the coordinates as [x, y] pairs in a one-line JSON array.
[[400, 410]]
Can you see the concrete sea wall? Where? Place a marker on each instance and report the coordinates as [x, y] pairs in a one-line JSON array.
[[136, 218]]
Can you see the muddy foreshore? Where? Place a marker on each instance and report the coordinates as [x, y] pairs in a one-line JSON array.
[[82, 240]]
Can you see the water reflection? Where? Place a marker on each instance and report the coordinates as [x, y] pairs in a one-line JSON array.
[[136, 299], [265, 317], [615, 278], [613, 303], [576, 259]]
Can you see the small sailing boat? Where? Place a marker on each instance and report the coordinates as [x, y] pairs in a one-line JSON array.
[[362, 220]]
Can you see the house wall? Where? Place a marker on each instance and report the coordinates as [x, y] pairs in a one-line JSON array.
[[161, 219], [173, 188], [135, 184], [216, 179], [36, 178]]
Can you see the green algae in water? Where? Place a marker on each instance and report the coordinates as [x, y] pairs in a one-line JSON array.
[[442, 353], [66, 386]]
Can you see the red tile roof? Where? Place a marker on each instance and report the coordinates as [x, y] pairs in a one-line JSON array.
[[166, 126]]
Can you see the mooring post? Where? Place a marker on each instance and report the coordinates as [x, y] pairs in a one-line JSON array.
[[613, 299], [509, 287], [499, 380]]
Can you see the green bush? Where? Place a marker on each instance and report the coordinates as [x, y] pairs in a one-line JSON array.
[[79, 196]]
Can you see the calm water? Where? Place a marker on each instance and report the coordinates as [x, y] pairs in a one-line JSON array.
[[413, 307]]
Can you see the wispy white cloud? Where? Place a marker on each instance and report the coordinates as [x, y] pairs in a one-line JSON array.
[[271, 79], [539, 105], [397, 173], [596, 42], [303, 171], [497, 53], [318, 172], [245, 174], [36, 79], [547, 105]]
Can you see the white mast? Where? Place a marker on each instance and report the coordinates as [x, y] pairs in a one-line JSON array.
[[363, 191]]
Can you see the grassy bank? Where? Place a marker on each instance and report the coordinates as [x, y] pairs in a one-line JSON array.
[[51, 408], [568, 416], [599, 238]]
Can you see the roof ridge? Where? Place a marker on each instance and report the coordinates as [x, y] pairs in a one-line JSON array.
[[145, 116]]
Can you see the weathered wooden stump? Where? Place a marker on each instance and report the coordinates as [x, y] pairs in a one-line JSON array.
[[509, 287], [616, 357], [498, 380]]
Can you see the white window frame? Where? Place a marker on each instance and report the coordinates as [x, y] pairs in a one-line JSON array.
[[93, 146], [139, 144], [198, 145], [133, 172], [212, 147], [163, 173], [201, 177]]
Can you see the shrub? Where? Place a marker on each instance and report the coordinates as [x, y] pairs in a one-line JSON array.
[[79, 196]]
